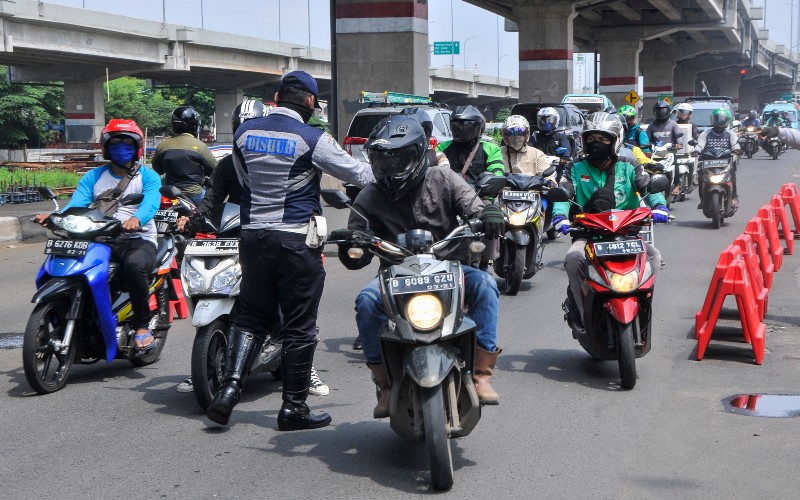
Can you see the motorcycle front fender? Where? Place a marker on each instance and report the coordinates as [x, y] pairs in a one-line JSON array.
[[208, 309], [521, 237], [428, 365], [56, 288], [623, 309]]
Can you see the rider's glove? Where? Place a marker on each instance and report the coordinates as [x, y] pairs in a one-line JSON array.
[[493, 221], [660, 214], [769, 132], [561, 224]]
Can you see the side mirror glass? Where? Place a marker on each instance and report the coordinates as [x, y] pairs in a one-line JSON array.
[[658, 183], [335, 198], [549, 171], [558, 194], [692, 142], [489, 184], [47, 193], [132, 199], [170, 192]]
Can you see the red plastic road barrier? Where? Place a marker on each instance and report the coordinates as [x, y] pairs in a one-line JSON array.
[[780, 216], [791, 197], [179, 302], [767, 216], [726, 258], [760, 292], [755, 229], [736, 282]]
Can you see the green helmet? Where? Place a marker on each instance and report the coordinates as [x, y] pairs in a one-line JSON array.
[[720, 118], [627, 111]]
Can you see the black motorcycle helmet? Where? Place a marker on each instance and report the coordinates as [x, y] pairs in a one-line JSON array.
[[661, 110], [396, 152], [186, 120], [422, 117], [752, 114], [247, 110], [467, 124]]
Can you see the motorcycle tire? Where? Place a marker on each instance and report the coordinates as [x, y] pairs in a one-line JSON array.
[[537, 258], [775, 153], [714, 208], [436, 441], [749, 152], [208, 360], [46, 370], [551, 234], [685, 186], [515, 255], [627, 356], [152, 356]]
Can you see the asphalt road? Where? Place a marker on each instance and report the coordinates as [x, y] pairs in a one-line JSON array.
[[564, 429]]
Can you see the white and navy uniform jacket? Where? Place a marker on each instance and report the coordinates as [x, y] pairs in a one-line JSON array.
[[709, 139], [279, 161]]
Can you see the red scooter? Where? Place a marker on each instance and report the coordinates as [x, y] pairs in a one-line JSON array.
[[618, 291]]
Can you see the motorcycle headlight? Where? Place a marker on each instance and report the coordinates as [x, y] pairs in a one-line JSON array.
[[80, 224], [424, 311], [716, 178], [624, 282], [193, 279], [225, 280], [517, 219], [750, 128]]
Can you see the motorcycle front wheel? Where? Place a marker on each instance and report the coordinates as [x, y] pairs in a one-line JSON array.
[[627, 357], [515, 256], [716, 216], [436, 442], [208, 360], [775, 153], [46, 369]]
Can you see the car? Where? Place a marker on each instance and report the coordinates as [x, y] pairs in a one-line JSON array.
[[782, 106], [570, 118], [589, 103], [383, 104], [703, 106]]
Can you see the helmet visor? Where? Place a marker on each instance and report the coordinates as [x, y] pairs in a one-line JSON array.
[[465, 130], [547, 123], [393, 162], [515, 131], [662, 113], [720, 120]]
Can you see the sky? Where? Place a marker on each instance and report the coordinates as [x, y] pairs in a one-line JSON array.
[[475, 28]]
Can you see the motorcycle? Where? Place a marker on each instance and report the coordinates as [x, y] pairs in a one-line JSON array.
[[716, 187], [664, 155], [211, 276], [428, 342], [749, 141], [522, 246], [686, 171], [549, 230], [774, 147], [618, 291], [83, 311]]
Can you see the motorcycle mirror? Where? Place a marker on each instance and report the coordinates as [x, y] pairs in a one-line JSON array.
[[490, 184], [132, 199], [335, 198], [737, 124], [558, 194], [692, 142], [170, 192], [47, 193], [549, 171], [658, 183]]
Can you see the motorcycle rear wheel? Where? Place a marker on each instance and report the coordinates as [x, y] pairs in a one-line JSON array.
[[515, 256], [208, 360], [436, 442], [627, 357], [714, 208], [775, 153], [47, 323]]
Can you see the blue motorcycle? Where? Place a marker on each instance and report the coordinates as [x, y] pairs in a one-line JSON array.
[[83, 311]]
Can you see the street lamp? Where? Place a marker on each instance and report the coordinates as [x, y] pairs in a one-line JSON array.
[[465, 50], [498, 64], [202, 16]]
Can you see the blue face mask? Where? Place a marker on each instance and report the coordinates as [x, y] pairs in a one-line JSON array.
[[121, 153]]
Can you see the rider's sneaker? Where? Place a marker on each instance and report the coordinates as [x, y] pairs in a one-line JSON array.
[[186, 386], [735, 202], [315, 385]]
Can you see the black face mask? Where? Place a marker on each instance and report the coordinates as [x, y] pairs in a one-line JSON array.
[[599, 152], [304, 112]]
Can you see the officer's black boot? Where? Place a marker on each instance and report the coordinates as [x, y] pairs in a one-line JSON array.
[[296, 369], [239, 357]]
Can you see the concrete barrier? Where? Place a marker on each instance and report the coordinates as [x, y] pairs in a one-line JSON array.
[[10, 230]]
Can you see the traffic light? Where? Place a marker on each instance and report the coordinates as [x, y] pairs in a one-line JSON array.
[[743, 73]]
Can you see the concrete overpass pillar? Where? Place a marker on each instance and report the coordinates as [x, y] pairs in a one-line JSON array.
[[684, 83], [619, 67], [84, 111], [747, 96], [226, 100], [545, 51], [657, 73], [726, 87], [379, 46]]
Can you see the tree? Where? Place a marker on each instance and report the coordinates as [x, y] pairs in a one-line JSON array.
[[25, 109], [131, 98], [203, 101]]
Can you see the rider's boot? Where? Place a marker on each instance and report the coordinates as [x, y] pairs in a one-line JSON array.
[[239, 357], [484, 367], [381, 380], [296, 370]]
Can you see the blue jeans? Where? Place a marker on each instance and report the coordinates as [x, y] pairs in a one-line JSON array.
[[481, 297], [196, 199]]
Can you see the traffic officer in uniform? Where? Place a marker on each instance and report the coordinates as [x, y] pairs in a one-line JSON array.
[[280, 159]]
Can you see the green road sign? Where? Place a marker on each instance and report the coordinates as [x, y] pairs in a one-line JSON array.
[[666, 97], [446, 48]]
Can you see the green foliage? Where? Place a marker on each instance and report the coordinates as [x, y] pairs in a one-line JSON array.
[[24, 111], [53, 178], [316, 122], [131, 98], [502, 114], [497, 136], [204, 101]]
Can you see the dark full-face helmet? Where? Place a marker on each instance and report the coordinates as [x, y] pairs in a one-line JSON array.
[[185, 120], [396, 151], [466, 123], [247, 110], [752, 114], [661, 110], [720, 119]]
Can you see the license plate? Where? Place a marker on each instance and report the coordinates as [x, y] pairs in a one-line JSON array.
[[70, 248], [713, 163], [166, 216], [212, 245], [426, 283], [519, 195], [625, 247]]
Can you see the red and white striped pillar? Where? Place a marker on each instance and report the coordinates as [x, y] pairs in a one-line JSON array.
[[619, 68], [657, 72], [380, 46], [84, 111], [545, 51]]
